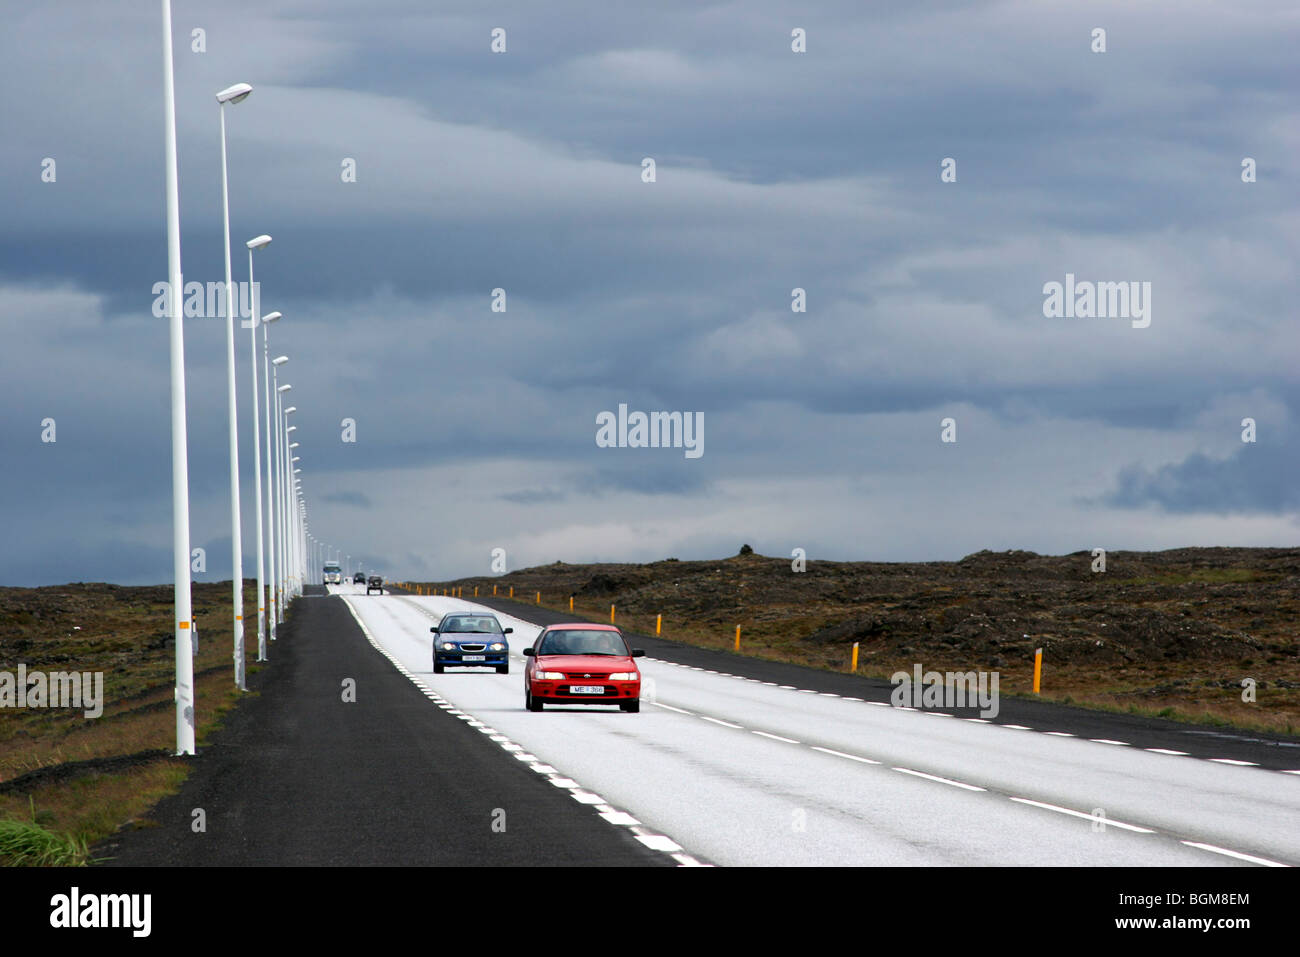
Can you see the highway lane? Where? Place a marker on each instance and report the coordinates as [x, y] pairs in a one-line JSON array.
[[742, 772]]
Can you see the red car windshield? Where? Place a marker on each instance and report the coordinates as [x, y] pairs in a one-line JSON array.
[[583, 642]]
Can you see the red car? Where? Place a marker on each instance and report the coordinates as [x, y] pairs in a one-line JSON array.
[[582, 663]]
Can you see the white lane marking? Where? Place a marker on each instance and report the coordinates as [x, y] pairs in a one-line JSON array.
[[775, 737], [621, 818], [1237, 854], [978, 720], [786, 687], [827, 694], [1108, 822], [1059, 734], [935, 777], [841, 754], [659, 704], [659, 842], [1181, 754], [1122, 744], [1015, 727], [1291, 772], [1234, 761], [725, 724], [655, 841]]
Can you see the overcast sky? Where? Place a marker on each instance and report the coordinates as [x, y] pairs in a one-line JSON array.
[[523, 171]]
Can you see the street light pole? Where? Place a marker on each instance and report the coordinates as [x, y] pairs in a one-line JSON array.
[[273, 495], [234, 94], [180, 461], [281, 502], [259, 242]]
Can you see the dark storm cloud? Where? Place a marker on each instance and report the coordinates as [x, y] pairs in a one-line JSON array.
[[522, 171]]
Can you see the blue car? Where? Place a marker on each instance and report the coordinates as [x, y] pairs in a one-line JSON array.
[[472, 640]]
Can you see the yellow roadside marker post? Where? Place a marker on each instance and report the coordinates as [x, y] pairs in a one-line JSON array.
[[512, 591], [539, 598], [855, 657], [570, 603], [476, 591], [737, 637], [659, 623], [494, 589], [611, 614], [1038, 668]]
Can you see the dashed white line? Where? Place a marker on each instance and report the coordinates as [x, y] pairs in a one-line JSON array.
[[1123, 744], [1237, 854], [1108, 822], [775, 737], [841, 754], [1181, 754], [725, 724], [660, 704], [935, 777], [1235, 762]]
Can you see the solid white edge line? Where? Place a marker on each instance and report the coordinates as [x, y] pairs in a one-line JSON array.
[[658, 842]]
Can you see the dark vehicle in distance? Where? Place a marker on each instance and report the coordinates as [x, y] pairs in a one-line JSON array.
[[375, 583], [359, 578]]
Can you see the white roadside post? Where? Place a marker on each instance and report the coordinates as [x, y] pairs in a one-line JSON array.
[[180, 460], [234, 94], [258, 243]]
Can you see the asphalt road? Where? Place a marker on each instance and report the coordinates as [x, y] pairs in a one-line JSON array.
[[298, 776], [746, 769]]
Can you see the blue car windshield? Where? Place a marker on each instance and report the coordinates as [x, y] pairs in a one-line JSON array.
[[582, 642], [471, 626]]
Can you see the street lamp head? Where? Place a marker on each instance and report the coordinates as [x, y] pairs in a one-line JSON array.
[[270, 317], [279, 360], [234, 94], [293, 445], [292, 428], [257, 242], [292, 408], [283, 388]]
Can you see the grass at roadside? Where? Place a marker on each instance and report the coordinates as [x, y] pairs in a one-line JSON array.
[[67, 781]]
